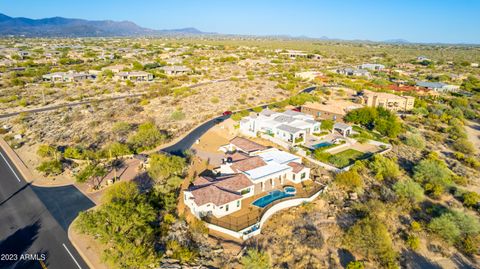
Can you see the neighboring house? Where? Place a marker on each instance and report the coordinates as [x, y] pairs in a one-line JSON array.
[[422, 59], [343, 128], [294, 54], [289, 126], [133, 76], [176, 70], [353, 72], [308, 75], [374, 67], [388, 101], [23, 53], [330, 110], [248, 170], [69, 76], [438, 86]]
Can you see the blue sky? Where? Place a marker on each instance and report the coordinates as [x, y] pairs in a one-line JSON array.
[[448, 21]]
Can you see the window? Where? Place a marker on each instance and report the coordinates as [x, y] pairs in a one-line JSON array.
[[293, 176], [238, 203], [319, 113], [226, 208], [302, 176]]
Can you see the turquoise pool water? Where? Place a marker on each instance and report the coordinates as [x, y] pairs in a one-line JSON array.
[[271, 197], [290, 190], [321, 145]]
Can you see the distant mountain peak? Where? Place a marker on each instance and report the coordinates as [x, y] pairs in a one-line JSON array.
[[66, 27]]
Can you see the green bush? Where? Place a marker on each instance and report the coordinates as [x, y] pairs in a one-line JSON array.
[[349, 180], [415, 140], [147, 136], [51, 168], [384, 168], [256, 259], [409, 190], [177, 115], [454, 226]]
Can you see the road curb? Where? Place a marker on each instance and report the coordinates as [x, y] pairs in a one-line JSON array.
[[16, 160], [79, 250]]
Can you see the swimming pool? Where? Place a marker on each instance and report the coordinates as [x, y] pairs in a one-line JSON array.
[[321, 145], [271, 197], [290, 190]]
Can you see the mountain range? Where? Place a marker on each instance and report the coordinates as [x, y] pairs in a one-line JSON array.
[[65, 27]]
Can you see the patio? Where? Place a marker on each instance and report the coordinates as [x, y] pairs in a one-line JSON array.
[[312, 140], [251, 214]]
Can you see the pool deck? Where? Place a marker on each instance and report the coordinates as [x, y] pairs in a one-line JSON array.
[[250, 214]]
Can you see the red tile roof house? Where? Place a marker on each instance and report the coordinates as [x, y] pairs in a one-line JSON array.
[[249, 168]]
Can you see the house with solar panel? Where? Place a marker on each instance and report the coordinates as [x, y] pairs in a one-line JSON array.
[[290, 127]]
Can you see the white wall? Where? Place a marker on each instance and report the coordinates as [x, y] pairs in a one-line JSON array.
[[217, 211]]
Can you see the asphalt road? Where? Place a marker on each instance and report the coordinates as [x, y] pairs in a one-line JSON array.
[[34, 221], [186, 143]]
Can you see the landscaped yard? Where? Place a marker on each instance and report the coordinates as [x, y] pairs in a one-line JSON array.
[[341, 159]]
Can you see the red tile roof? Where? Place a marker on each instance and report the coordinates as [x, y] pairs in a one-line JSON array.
[[246, 145], [219, 191], [237, 156], [215, 195], [248, 164], [296, 167]]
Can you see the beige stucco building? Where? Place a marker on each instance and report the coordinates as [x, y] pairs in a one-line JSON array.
[[388, 101]]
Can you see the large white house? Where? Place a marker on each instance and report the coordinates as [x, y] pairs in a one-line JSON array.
[[248, 169], [289, 126]]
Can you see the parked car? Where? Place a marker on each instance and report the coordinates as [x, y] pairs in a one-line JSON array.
[[226, 113]]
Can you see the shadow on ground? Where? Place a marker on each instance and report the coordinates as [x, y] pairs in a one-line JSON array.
[[18, 243], [64, 203]]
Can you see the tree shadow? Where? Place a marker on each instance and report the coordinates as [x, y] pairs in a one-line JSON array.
[[15, 193], [345, 257], [461, 262], [18, 243], [64, 203], [413, 260]]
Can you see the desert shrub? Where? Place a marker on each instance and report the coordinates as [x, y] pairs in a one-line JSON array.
[[147, 136], [177, 115], [454, 226], [409, 190], [370, 238], [181, 253], [355, 265], [46, 151], [471, 199], [415, 140], [50, 168], [413, 242], [434, 175], [384, 168], [349, 180], [256, 259], [89, 171], [463, 145]]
